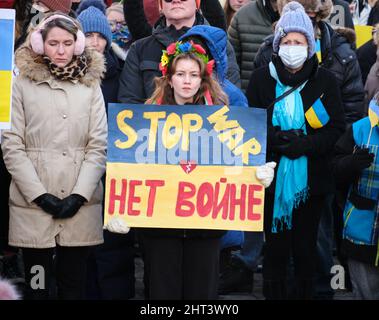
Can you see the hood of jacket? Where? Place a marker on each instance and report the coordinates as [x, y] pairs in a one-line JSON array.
[[31, 66], [216, 40], [338, 41]]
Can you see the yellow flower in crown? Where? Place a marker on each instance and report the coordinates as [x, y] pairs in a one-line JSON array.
[[164, 59]]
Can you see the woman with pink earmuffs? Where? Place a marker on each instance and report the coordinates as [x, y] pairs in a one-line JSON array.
[[55, 152]]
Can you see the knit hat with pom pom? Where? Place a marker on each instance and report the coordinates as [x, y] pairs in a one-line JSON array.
[[294, 19]]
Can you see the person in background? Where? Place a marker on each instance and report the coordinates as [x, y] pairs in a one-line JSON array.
[[111, 264], [142, 65], [121, 37], [136, 15], [231, 7], [356, 164], [364, 12], [249, 27], [55, 153]]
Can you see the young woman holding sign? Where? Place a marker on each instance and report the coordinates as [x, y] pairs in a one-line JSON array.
[[184, 263], [55, 153]]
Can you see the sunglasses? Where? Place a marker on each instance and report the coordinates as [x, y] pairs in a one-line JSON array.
[[169, 1]]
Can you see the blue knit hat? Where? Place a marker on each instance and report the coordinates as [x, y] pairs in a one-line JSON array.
[[294, 19], [91, 15]]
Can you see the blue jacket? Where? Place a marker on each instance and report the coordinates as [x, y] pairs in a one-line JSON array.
[[216, 40], [361, 214]]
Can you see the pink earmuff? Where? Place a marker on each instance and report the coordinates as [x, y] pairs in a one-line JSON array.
[[36, 40]]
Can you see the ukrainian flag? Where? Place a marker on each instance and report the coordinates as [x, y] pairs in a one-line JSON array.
[[316, 115], [318, 50], [7, 18], [373, 113]]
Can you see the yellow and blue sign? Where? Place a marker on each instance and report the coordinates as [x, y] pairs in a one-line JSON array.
[[373, 113], [316, 115], [185, 166], [7, 22]]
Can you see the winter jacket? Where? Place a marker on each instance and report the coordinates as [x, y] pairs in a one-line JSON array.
[[216, 41], [372, 83], [361, 225], [339, 57], [250, 26], [110, 82], [135, 17], [57, 145], [321, 84], [142, 64], [366, 57], [373, 17]]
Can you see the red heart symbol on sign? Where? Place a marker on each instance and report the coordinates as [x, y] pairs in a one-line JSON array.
[[188, 166]]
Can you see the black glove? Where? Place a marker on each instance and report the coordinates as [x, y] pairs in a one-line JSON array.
[[70, 206], [275, 137], [49, 203], [357, 161], [295, 146]]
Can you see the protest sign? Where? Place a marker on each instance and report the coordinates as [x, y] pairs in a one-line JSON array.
[[7, 23], [185, 166]]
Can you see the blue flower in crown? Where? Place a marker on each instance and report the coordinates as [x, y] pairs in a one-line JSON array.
[[185, 47]]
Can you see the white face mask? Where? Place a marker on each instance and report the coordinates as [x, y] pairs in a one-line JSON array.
[[293, 57]]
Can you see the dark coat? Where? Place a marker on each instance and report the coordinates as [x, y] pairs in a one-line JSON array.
[[320, 142], [373, 17], [338, 56], [110, 83], [142, 64], [140, 28]]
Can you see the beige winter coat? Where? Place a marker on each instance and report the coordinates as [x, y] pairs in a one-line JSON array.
[[57, 144]]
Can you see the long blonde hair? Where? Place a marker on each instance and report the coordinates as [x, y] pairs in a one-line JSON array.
[[164, 94]]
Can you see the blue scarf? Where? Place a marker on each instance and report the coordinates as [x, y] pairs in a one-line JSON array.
[[121, 35], [292, 176]]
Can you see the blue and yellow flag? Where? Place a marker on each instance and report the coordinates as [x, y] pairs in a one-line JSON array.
[[316, 115], [7, 21], [373, 113], [318, 50]]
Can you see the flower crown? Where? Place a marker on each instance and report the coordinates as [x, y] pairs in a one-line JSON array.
[[176, 48]]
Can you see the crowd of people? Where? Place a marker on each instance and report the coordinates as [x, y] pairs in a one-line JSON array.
[[291, 58]]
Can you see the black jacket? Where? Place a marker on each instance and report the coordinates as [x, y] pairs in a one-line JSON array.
[[339, 57], [142, 64], [320, 142], [140, 28], [110, 83]]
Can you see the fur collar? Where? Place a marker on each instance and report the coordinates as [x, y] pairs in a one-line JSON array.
[[348, 33], [32, 66]]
